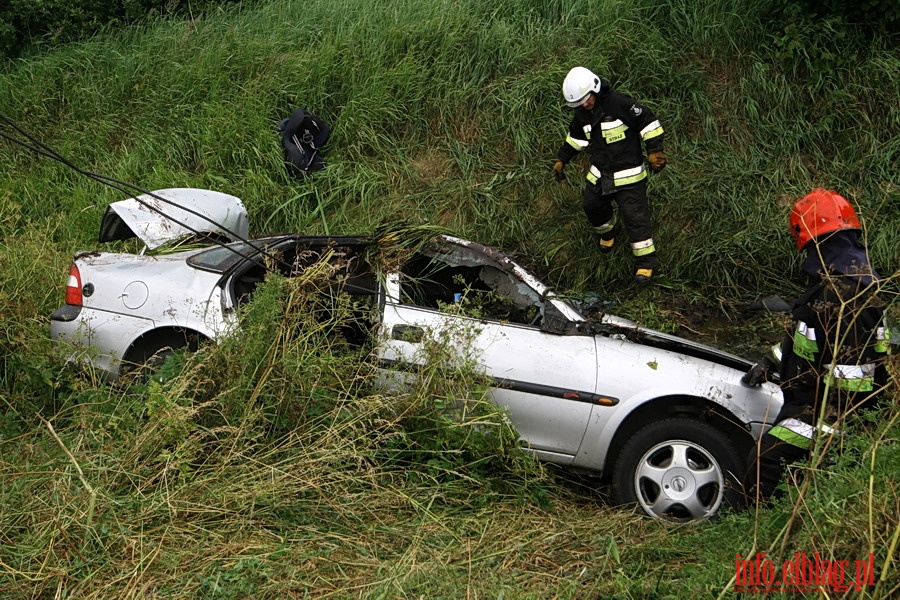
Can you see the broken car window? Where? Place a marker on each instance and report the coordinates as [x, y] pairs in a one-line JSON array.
[[463, 282], [336, 280]]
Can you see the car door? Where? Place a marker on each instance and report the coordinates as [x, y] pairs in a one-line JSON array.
[[489, 315]]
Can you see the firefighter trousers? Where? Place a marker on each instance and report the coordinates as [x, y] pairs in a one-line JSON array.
[[634, 209], [788, 442]]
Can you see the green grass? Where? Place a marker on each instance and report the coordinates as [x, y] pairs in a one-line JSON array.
[[274, 470]]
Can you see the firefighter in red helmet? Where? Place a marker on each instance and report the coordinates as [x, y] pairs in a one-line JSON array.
[[833, 360]]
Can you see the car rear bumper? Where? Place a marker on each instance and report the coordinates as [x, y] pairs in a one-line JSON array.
[[83, 345], [66, 313]]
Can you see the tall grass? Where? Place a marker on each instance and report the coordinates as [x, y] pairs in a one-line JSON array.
[[440, 109], [269, 468]]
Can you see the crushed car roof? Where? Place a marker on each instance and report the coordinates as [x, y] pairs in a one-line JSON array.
[[166, 215]]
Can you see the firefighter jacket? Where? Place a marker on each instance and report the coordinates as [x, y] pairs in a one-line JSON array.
[[614, 132], [838, 347]]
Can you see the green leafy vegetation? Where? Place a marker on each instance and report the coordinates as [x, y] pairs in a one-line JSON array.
[[28, 27], [274, 466]]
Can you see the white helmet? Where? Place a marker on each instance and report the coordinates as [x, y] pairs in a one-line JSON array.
[[578, 84]]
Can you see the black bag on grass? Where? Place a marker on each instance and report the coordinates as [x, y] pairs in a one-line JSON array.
[[302, 136]]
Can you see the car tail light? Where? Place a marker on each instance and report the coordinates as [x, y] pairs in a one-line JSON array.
[[73, 287]]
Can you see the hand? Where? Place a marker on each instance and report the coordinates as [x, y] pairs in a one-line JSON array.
[[758, 373], [558, 167], [657, 161]]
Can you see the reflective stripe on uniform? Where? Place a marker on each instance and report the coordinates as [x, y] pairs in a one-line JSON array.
[[626, 176], [576, 143], [613, 131], [852, 378], [882, 339], [651, 131], [794, 432], [805, 345], [623, 177], [797, 433], [777, 354], [606, 227], [643, 248]]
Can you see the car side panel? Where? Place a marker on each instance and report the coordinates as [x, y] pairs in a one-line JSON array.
[[637, 374], [531, 370], [133, 295], [98, 338]]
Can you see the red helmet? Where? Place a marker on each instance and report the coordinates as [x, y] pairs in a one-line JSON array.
[[818, 212]]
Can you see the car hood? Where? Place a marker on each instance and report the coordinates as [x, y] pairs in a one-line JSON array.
[[611, 325], [170, 214]]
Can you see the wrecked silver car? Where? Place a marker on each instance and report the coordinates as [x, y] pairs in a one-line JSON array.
[[666, 420]]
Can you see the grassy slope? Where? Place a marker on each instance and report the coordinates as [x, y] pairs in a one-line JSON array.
[[443, 113]]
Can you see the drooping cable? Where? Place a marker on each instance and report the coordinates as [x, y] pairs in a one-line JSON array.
[[42, 149]]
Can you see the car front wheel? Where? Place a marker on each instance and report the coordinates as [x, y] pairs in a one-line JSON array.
[[678, 469]]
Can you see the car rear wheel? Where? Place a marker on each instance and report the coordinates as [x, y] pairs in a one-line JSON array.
[[678, 469], [146, 357]]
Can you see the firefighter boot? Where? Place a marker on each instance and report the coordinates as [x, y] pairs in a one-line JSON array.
[[643, 276], [643, 268], [644, 260], [606, 241]]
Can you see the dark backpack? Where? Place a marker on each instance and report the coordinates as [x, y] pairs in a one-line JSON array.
[[302, 136]]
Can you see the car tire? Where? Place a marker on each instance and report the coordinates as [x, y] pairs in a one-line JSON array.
[[678, 469], [149, 358], [157, 358]]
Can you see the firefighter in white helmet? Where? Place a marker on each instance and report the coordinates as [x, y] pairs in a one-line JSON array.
[[615, 129]]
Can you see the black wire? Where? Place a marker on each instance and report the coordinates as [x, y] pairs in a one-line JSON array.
[[127, 188]]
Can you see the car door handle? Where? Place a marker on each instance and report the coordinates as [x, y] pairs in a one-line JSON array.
[[408, 333]]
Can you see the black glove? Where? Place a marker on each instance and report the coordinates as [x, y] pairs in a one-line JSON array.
[[759, 373], [558, 167]]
